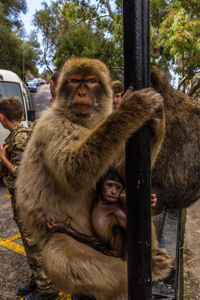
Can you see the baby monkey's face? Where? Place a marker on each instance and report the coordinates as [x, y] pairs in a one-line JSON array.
[[111, 190]]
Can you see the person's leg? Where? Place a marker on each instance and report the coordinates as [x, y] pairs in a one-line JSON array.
[[44, 288], [38, 280]]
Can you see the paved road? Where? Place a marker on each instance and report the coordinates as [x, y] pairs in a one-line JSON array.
[[42, 98]]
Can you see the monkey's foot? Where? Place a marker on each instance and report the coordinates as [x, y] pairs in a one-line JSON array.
[[60, 227], [162, 264]]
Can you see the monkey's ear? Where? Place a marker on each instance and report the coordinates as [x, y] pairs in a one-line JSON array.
[[155, 82], [159, 79]]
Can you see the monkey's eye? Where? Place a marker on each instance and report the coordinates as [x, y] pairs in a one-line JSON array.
[[74, 81], [119, 187], [92, 81], [109, 184]]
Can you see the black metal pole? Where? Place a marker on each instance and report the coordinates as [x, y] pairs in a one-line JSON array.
[[138, 157]]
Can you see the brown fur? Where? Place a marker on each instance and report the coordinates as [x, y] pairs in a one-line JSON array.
[[175, 177], [115, 237], [60, 166]]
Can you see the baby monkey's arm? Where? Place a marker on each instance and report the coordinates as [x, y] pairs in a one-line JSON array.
[[91, 241]]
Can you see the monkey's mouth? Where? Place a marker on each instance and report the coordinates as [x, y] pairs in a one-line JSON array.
[[82, 109], [111, 198]]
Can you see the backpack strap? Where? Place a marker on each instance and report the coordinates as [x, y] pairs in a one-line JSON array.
[[23, 129]]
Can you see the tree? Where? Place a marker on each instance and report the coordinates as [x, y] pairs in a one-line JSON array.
[[11, 9], [175, 39], [80, 29], [49, 22], [16, 54], [31, 53], [94, 29]]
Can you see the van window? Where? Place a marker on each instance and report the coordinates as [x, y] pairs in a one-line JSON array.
[[11, 89]]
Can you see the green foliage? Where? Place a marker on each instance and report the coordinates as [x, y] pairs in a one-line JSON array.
[[175, 38], [50, 22], [80, 29], [11, 10], [94, 29], [15, 54], [9, 52], [17, 5], [31, 52]]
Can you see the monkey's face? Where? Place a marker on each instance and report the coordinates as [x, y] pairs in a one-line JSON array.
[[82, 93], [111, 190]]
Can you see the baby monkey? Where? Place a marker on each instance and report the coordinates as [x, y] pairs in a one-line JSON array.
[[108, 218]]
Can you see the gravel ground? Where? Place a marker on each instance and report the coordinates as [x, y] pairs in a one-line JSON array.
[[191, 254], [13, 266]]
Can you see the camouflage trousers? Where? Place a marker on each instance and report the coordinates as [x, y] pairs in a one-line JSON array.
[[33, 255]]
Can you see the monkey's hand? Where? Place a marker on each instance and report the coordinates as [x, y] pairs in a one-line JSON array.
[[143, 101]]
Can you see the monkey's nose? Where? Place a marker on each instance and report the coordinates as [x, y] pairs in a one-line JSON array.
[[114, 191], [82, 94]]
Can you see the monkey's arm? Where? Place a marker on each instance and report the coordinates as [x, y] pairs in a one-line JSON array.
[[89, 240], [157, 127], [81, 160], [120, 216]]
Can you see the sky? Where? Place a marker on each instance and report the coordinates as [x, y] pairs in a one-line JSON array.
[[33, 5]]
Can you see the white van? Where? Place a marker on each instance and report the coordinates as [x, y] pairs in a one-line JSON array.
[[12, 85]]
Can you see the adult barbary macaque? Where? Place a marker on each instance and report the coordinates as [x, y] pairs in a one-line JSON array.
[[175, 176], [73, 144]]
